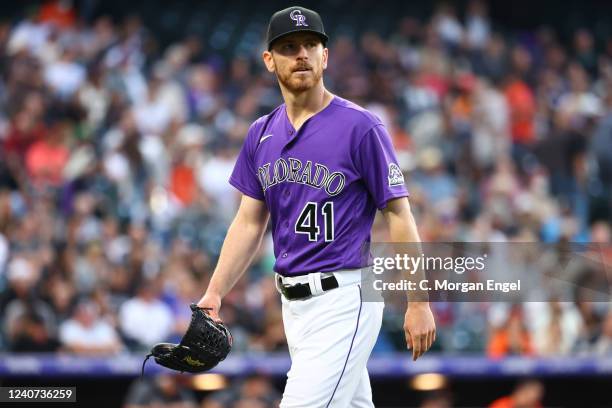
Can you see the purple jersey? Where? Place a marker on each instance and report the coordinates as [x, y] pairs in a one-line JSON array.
[[321, 184]]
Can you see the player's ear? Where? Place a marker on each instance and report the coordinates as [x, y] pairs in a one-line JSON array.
[[325, 56], [268, 60]]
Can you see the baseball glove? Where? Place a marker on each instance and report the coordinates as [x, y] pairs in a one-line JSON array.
[[204, 345]]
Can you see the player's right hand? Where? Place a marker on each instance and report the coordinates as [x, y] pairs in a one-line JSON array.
[[212, 303]]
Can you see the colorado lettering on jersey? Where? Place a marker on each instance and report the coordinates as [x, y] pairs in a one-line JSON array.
[[294, 171]]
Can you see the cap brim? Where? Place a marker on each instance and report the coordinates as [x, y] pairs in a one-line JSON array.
[[324, 38]]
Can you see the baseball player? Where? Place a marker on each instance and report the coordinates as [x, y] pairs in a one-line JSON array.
[[318, 167]]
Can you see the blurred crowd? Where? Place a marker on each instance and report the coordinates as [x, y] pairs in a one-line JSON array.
[[174, 391], [116, 154]]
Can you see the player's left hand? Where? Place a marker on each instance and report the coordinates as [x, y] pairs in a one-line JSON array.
[[419, 328]]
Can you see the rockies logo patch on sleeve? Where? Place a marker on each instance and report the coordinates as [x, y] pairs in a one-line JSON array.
[[396, 178]]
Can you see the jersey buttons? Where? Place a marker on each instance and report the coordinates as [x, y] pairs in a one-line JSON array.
[[285, 255]]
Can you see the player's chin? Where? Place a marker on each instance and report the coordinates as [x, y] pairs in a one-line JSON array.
[[300, 85]]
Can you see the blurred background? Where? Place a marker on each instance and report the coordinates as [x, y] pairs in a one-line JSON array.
[[120, 123]]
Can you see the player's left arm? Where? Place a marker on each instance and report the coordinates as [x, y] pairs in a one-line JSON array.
[[419, 325]]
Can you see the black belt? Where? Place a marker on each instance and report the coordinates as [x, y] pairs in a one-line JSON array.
[[302, 290]]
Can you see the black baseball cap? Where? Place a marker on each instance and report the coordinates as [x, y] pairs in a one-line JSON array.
[[292, 20]]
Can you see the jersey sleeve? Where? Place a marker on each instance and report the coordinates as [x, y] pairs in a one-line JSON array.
[[377, 164], [244, 176]]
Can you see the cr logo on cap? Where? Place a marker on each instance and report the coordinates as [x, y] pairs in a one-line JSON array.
[[299, 18]]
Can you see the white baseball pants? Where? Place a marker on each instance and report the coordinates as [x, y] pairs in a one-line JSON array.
[[330, 337]]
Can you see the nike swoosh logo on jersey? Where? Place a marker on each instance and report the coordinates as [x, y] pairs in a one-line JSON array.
[[264, 137]]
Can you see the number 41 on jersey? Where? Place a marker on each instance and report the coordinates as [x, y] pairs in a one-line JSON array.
[[307, 222]]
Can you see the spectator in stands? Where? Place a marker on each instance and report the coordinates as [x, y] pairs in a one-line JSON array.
[[180, 288], [61, 295], [478, 25], [600, 143], [439, 188], [168, 391], [437, 399], [65, 75], [603, 344], [29, 332], [527, 394], [26, 127], [273, 338], [555, 327], [591, 326], [87, 333], [512, 338], [46, 158], [256, 390], [584, 50], [521, 103], [447, 25], [145, 319], [29, 322], [491, 128]]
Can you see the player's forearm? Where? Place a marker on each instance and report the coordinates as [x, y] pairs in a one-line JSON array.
[[403, 230], [241, 243]]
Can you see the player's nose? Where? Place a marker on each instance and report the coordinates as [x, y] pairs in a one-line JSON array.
[[302, 52]]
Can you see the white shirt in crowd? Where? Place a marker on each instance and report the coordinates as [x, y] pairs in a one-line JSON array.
[[65, 76], [100, 334], [148, 322]]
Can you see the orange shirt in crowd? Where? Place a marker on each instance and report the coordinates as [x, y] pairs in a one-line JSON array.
[[522, 112], [500, 345], [507, 402], [183, 184]]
